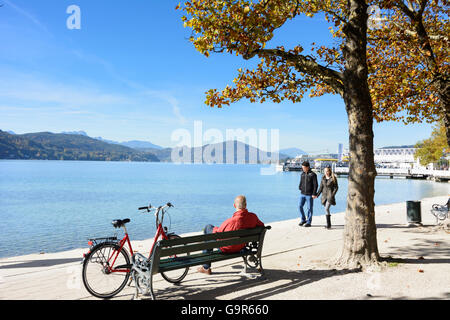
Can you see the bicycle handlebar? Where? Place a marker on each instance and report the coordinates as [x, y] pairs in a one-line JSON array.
[[167, 205], [157, 210]]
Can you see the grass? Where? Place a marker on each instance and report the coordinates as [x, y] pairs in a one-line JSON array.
[[393, 264]]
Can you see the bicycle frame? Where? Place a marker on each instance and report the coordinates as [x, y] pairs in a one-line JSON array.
[[160, 232], [126, 239]]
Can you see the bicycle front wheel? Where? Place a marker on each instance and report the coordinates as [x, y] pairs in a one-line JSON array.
[[175, 276], [106, 270]]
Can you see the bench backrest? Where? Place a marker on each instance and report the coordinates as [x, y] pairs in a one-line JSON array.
[[165, 248]]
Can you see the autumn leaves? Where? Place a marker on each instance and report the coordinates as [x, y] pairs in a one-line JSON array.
[[407, 54]]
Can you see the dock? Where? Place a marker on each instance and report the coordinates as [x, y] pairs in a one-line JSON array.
[[407, 173], [436, 175]]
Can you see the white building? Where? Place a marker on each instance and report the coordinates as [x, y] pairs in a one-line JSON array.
[[387, 157], [396, 157]]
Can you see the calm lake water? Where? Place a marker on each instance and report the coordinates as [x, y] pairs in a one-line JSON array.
[[50, 206]]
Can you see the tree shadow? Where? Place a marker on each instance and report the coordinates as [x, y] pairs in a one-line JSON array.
[[333, 226], [444, 296], [260, 289], [393, 226], [422, 228], [38, 263], [427, 251]]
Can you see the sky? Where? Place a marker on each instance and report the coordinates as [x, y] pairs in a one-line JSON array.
[[129, 73]]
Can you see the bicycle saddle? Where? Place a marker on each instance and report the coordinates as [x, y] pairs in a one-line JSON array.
[[119, 223]]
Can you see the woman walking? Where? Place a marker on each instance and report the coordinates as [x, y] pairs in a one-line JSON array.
[[328, 188]]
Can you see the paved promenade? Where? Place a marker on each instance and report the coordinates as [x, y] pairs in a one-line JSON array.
[[295, 259]]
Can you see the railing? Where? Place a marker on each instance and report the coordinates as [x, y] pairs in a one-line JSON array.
[[402, 172]]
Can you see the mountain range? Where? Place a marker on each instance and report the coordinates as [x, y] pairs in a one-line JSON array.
[[135, 144], [143, 145], [52, 146], [79, 146]]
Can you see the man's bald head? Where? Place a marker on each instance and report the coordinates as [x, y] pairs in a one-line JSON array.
[[240, 202]]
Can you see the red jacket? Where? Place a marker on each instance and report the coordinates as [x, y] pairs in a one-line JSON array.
[[241, 219]]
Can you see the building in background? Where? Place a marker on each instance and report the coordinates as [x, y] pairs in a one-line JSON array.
[[386, 157], [340, 152], [396, 157]]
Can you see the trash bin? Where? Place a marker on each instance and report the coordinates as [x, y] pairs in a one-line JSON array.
[[413, 212]]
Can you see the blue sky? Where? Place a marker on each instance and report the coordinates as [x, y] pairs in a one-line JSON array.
[[130, 73]]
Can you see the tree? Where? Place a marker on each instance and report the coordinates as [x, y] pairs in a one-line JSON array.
[[408, 57], [244, 27], [431, 150]]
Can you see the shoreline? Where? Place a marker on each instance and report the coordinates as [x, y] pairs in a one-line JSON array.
[[340, 215], [291, 255], [80, 209]]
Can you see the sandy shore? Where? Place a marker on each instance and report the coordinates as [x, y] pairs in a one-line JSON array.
[[295, 259]]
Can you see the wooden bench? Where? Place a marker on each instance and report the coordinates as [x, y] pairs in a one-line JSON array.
[[162, 259]]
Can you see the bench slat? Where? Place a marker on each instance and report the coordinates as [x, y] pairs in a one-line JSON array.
[[207, 245], [198, 259], [212, 236]]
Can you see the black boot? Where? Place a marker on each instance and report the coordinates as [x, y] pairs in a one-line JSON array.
[[328, 216]]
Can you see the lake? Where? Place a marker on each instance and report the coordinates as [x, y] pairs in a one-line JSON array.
[[50, 206]]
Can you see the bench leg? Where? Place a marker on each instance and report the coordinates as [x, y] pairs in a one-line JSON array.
[[245, 264], [261, 270], [152, 294], [136, 294]]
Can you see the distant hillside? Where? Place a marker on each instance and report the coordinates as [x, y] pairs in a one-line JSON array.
[[52, 146], [164, 155], [79, 146], [293, 152], [136, 144], [83, 133], [232, 152]]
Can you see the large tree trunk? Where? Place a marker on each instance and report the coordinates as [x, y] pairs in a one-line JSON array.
[[360, 234]]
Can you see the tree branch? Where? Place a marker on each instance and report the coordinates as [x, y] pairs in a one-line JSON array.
[[411, 32], [305, 64], [407, 9]]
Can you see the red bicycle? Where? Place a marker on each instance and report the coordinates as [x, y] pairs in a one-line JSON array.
[[107, 266]]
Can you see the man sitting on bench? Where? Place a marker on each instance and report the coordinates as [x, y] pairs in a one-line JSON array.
[[241, 219]]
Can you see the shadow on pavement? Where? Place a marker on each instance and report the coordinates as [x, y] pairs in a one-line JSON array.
[[38, 263], [223, 283]]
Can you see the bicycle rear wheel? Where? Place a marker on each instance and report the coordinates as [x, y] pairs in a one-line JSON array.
[[106, 270], [175, 276]]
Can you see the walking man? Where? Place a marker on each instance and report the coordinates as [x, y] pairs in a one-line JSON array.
[[308, 188]]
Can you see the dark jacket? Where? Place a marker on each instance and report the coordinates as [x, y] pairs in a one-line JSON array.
[[328, 189], [308, 183]]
